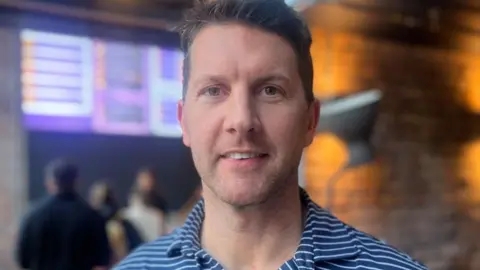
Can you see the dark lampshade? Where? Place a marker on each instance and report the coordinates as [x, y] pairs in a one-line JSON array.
[[351, 119], [300, 4]]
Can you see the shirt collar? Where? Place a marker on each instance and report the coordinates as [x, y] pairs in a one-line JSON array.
[[324, 237]]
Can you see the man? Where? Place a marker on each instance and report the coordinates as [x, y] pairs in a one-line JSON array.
[[247, 114], [62, 231]]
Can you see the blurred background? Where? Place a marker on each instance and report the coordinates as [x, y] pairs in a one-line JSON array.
[[98, 81]]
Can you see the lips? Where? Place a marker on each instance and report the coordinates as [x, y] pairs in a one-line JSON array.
[[243, 160], [243, 155]]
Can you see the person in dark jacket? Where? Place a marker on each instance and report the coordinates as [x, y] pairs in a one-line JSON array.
[[62, 232]]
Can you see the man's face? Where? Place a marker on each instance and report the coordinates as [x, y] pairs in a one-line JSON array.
[[245, 116]]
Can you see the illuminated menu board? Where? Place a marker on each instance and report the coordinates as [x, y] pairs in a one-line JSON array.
[[81, 84], [163, 99]]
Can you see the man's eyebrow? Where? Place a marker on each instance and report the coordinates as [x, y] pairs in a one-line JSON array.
[[218, 79], [208, 78], [273, 78]]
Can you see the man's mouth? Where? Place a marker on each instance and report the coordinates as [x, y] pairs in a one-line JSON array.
[[244, 155]]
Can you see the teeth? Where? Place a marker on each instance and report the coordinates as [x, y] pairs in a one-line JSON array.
[[242, 155]]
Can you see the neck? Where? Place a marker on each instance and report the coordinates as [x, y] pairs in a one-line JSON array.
[[258, 237]]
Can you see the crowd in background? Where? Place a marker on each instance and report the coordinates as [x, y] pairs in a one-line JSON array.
[[144, 219], [59, 231]]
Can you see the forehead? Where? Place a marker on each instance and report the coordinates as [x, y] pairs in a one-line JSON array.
[[241, 49]]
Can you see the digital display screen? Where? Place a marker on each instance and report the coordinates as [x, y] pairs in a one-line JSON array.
[[83, 84]]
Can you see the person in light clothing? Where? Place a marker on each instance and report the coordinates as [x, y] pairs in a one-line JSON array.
[[147, 209]]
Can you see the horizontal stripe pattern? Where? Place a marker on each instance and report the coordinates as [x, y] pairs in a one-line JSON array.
[[326, 243]]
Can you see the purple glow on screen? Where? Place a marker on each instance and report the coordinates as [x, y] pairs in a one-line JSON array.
[[57, 123], [79, 84], [168, 112]]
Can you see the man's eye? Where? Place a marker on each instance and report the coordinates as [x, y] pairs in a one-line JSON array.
[[213, 91], [270, 90]]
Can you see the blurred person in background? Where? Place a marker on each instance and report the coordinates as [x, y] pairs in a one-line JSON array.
[[248, 111], [62, 231], [147, 209], [103, 201], [177, 219], [122, 234]]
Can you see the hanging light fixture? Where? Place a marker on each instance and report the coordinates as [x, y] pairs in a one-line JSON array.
[[300, 5], [350, 118]]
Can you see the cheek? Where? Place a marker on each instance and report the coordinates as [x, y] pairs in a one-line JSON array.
[[285, 126], [202, 128], [203, 138]]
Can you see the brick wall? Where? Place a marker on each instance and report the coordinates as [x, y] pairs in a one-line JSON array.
[[422, 194], [12, 188], [425, 125]]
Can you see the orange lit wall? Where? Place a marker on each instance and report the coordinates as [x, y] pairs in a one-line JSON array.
[[324, 157], [471, 93], [319, 55], [338, 65], [469, 170], [338, 70]]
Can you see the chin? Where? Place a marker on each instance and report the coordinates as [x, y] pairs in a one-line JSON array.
[[242, 196], [243, 201]]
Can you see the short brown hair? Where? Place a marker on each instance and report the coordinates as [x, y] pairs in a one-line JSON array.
[[273, 16]]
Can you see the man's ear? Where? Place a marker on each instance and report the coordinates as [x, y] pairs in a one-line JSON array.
[[181, 120], [313, 117]]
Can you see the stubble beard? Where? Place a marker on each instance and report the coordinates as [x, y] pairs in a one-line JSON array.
[[275, 185]]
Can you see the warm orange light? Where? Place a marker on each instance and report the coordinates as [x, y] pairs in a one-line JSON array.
[[319, 55], [473, 98], [337, 62], [469, 170], [346, 66], [469, 60], [472, 85], [357, 188], [339, 68], [323, 158], [357, 194]]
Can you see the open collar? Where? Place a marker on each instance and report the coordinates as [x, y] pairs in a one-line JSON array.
[[324, 237]]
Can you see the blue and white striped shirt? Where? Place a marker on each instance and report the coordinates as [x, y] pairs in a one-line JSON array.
[[326, 243]]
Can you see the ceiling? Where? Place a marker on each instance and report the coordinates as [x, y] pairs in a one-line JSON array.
[[428, 22], [451, 15], [175, 3], [156, 14]]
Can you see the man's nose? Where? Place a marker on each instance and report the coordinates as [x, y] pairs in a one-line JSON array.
[[241, 113]]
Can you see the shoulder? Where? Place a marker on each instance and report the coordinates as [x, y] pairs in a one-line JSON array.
[[89, 217], [354, 248], [39, 207], [151, 254], [377, 253]]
